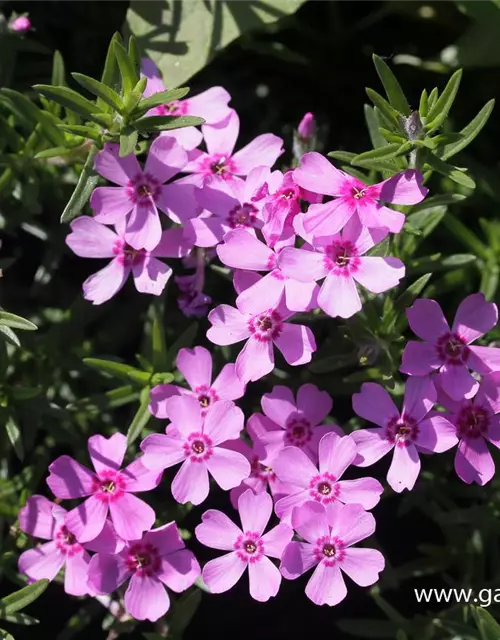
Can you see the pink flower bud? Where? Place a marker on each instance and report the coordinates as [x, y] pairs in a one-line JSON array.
[[307, 126], [21, 24]]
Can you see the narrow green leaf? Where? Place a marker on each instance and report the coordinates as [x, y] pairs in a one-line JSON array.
[[433, 96], [381, 165], [140, 419], [127, 71], [384, 107], [159, 345], [389, 136], [448, 170], [373, 125], [9, 335], [466, 236], [22, 598], [382, 153], [163, 97], [343, 156], [161, 378], [86, 184], [100, 90], [135, 96], [128, 142], [395, 94], [5, 635], [438, 201], [11, 320], [116, 369], [14, 435], [166, 123], [486, 623], [54, 152], [111, 399], [134, 56], [83, 131], [21, 618], [58, 70], [141, 377], [437, 263], [110, 71], [69, 99], [437, 115], [470, 131], [398, 320], [423, 107]]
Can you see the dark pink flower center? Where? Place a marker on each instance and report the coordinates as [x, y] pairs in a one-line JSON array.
[[260, 471], [206, 396], [109, 485], [323, 488], [358, 193], [452, 349], [298, 431], [143, 559], [174, 108], [242, 216], [143, 188], [288, 193], [66, 542], [249, 547], [329, 550], [127, 255], [266, 326], [219, 165], [342, 258], [473, 421], [198, 447], [402, 430]]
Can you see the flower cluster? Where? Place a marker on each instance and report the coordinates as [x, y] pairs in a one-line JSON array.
[[291, 252]]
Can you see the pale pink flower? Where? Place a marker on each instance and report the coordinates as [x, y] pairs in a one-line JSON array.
[[196, 367], [261, 331], [476, 421], [340, 259], [157, 559], [242, 250], [290, 422], [20, 25], [90, 239], [110, 490], [351, 196], [328, 538], [293, 466], [412, 431], [248, 547], [142, 192], [41, 518], [448, 352], [221, 161], [195, 440]]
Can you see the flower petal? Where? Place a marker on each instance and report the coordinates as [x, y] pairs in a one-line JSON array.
[[107, 572], [42, 562], [363, 491], [179, 570], [255, 511], [317, 174], [310, 521], [339, 296], [313, 403], [146, 598], [162, 451], [223, 421], [211, 105], [228, 468], [363, 565], [185, 414], [255, 360], [484, 359], [223, 573], [139, 478], [329, 218], [227, 385], [196, 366], [404, 469], [419, 358], [351, 523], [297, 344], [143, 229], [87, 520], [276, 540], [293, 466], [379, 274], [436, 434], [297, 558], [120, 170], [75, 574], [475, 317], [372, 444], [217, 530], [242, 250], [420, 397], [191, 483], [151, 276], [403, 188], [374, 404], [165, 158], [107, 453], [336, 454], [426, 320], [265, 294], [279, 404], [110, 205], [302, 265], [473, 461], [326, 585], [90, 239], [131, 516], [36, 518], [229, 325], [221, 137], [263, 151], [103, 285], [457, 381], [265, 579], [69, 479]]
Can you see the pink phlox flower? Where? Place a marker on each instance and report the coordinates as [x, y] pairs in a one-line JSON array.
[[290, 422], [157, 559], [351, 196], [109, 490], [43, 519], [142, 192], [192, 301], [248, 547], [195, 440], [282, 204], [335, 454], [340, 259], [220, 160], [20, 24], [449, 352], [196, 367], [328, 539], [476, 421], [412, 431], [261, 331], [242, 250], [91, 239], [227, 206]]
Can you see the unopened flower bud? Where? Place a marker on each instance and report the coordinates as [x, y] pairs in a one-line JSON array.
[[20, 24], [412, 125], [307, 127]]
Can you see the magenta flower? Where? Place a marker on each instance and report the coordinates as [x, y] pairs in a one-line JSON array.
[[196, 367], [248, 547], [196, 441], [449, 352], [293, 466], [20, 25], [352, 196], [476, 420], [141, 193], [307, 126], [292, 423], [242, 250], [191, 300], [282, 204], [261, 331], [340, 259], [227, 206], [221, 162], [328, 538], [110, 490], [41, 518], [90, 239], [157, 560], [408, 433]]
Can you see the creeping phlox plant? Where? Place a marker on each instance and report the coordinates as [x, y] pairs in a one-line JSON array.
[[299, 242]]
